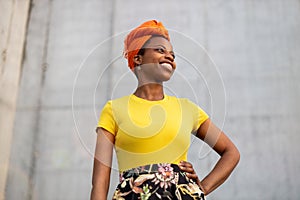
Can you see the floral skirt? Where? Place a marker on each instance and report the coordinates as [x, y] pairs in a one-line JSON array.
[[157, 181]]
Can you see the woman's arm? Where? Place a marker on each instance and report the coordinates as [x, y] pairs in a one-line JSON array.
[[230, 155], [188, 168], [102, 164]]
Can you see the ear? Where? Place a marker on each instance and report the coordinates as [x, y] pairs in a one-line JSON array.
[[138, 59]]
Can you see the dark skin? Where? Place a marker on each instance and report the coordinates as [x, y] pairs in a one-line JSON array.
[[229, 157], [157, 65], [102, 164]]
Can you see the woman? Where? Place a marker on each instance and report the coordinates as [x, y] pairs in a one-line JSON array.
[[150, 130]]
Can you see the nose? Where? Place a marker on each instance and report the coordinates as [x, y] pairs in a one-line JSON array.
[[169, 56]]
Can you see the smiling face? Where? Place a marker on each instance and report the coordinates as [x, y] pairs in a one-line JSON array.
[[156, 63]]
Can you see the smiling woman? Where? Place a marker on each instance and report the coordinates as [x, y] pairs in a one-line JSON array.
[[156, 62], [150, 130]]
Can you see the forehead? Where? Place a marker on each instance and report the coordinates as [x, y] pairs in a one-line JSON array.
[[156, 41]]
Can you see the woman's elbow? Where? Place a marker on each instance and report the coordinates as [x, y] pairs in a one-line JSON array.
[[236, 155]]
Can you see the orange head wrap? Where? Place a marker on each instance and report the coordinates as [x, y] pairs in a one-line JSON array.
[[136, 39]]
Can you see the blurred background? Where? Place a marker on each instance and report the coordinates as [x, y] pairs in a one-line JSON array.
[[62, 60]]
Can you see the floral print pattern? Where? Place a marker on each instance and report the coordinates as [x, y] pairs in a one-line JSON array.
[[157, 181]]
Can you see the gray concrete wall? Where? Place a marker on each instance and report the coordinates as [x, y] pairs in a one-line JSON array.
[[249, 86]]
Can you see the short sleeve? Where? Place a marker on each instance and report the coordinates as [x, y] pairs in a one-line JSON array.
[[199, 116], [107, 120]]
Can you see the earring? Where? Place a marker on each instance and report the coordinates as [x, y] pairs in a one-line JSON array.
[[138, 67]]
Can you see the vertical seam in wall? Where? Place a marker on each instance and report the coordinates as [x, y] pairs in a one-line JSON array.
[[22, 61], [205, 40], [4, 51], [110, 70], [23, 57], [32, 172]]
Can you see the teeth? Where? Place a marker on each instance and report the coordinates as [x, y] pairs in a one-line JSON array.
[[167, 65]]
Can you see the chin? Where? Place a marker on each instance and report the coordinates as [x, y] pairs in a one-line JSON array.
[[166, 78]]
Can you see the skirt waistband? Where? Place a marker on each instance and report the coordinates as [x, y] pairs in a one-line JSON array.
[[150, 169], [157, 181]]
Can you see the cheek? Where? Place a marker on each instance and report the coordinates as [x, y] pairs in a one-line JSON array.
[[150, 67], [175, 65], [153, 55], [155, 58]]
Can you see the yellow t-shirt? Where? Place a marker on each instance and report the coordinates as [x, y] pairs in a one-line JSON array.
[[151, 131]]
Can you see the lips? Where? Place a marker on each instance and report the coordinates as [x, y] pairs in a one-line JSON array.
[[167, 66]]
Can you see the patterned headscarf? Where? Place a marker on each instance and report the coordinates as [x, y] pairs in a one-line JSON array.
[[136, 39]]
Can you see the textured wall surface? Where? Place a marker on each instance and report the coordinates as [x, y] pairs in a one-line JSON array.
[[13, 21], [248, 83]]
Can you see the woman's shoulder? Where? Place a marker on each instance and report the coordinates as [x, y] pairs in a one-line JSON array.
[[119, 99], [180, 99], [185, 101]]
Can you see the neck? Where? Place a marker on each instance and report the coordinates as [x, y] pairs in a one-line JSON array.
[[151, 92]]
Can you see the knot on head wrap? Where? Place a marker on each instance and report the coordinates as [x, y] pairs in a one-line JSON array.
[[136, 39]]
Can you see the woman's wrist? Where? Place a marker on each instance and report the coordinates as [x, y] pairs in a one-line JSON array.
[[201, 186]]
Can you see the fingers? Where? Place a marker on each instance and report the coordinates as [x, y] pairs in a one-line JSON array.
[[186, 167], [192, 176], [190, 172], [185, 163]]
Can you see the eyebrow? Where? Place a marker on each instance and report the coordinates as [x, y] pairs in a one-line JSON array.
[[160, 45]]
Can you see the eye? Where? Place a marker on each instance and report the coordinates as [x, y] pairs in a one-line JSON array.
[[160, 50]]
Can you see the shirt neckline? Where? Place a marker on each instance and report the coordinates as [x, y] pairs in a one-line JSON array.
[[136, 98]]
